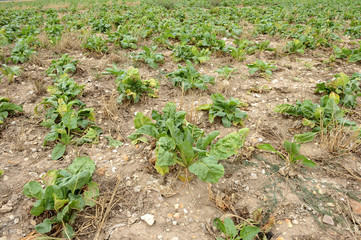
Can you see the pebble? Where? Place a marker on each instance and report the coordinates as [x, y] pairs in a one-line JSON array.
[[295, 221], [137, 188], [148, 218], [6, 209], [174, 238], [253, 176], [356, 207], [174, 223], [288, 223], [328, 220], [160, 237]]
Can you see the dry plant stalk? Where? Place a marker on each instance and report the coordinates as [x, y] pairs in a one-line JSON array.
[[69, 41], [110, 106], [340, 140]]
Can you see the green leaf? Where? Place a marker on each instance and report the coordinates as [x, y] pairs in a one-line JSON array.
[[267, 147], [231, 230], [305, 137], [140, 120], [33, 189], [202, 143], [291, 148], [45, 226], [77, 181], [253, 70], [58, 151], [229, 145], [149, 130], [219, 225], [207, 169], [249, 232], [165, 158], [8, 106], [82, 164], [70, 119], [205, 107], [51, 137], [59, 203], [305, 161], [68, 232], [112, 142], [50, 177], [52, 193], [38, 208], [91, 193]]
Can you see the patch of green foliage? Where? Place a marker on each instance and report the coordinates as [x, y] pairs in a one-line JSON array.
[[130, 85], [292, 155], [123, 39], [227, 110], [226, 72], [69, 120], [21, 52], [319, 117], [9, 72], [261, 66], [96, 44], [192, 53], [62, 195], [7, 107], [184, 144], [232, 232], [65, 64], [189, 78], [342, 89], [149, 56]]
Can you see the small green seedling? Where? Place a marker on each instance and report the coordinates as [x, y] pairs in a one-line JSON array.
[[261, 66], [9, 72], [291, 156], [113, 142], [226, 72], [232, 232]]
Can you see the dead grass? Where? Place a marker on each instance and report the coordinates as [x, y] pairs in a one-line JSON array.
[[70, 41], [110, 106], [341, 140]]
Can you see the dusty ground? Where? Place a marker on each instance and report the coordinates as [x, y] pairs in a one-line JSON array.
[[293, 208]]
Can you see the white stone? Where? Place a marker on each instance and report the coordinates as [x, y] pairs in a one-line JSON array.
[[148, 218]]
